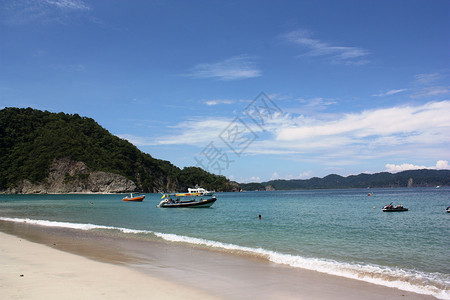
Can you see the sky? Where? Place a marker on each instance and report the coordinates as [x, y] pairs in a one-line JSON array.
[[252, 90]]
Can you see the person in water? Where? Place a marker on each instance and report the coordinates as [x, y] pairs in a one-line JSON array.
[[259, 217]]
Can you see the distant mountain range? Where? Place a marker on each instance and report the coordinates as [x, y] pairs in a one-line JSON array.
[[413, 178]]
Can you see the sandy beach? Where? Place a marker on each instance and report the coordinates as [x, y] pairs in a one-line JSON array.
[[48, 263], [34, 271]]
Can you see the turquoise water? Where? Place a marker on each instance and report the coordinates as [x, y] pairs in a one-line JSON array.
[[341, 232]]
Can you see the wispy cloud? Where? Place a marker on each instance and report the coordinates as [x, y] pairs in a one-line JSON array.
[[430, 85], [218, 101], [234, 68], [196, 132], [393, 168], [318, 48], [303, 175], [40, 11], [390, 93], [69, 4], [428, 78], [316, 104], [431, 92], [245, 179]]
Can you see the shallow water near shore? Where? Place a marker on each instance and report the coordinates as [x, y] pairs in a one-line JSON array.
[[340, 232]]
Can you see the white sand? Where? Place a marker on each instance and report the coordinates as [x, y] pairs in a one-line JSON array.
[[34, 271]]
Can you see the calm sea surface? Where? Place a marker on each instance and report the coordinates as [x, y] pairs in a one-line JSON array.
[[340, 232]]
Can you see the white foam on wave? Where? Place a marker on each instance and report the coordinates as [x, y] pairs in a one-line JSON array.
[[68, 225], [435, 284], [418, 282]]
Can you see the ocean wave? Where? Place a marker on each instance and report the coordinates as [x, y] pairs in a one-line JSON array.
[[79, 226], [435, 284]]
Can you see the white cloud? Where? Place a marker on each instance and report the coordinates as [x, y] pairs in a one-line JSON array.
[[403, 123], [349, 55], [403, 167], [218, 101], [234, 68], [440, 164], [390, 93], [334, 140], [385, 129], [412, 131]]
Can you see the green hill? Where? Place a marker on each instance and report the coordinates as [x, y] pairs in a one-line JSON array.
[[31, 141], [417, 178]]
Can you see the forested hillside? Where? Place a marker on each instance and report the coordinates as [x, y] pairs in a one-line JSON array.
[[31, 140]]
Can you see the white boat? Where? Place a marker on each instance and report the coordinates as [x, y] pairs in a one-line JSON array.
[[201, 191]]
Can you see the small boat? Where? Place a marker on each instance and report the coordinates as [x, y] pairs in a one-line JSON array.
[[391, 207], [201, 191], [448, 209], [193, 199], [188, 203], [135, 199]]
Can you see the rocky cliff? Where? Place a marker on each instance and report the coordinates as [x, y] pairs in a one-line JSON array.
[[69, 176]]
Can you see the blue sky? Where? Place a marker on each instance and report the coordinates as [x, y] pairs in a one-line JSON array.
[[253, 90]]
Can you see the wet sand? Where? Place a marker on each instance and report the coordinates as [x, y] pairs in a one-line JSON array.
[[73, 264]]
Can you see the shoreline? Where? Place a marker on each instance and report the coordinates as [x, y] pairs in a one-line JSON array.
[[243, 191], [203, 273]]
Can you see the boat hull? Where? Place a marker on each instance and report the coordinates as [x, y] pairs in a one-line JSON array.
[[193, 204], [394, 209], [134, 199]]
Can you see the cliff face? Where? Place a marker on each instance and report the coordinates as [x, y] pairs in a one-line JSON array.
[[68, 176]]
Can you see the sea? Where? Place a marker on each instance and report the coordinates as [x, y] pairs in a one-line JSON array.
[[339, 232]]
